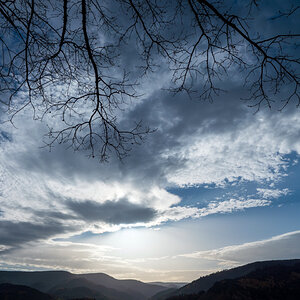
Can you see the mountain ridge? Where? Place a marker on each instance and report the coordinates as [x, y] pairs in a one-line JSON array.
[[21, 292], [99, 284], [270, 282], [206, 282]]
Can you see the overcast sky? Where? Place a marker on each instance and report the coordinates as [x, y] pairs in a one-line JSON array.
[[215, 186]]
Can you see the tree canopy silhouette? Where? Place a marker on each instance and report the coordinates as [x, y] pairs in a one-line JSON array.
[[69, 59]]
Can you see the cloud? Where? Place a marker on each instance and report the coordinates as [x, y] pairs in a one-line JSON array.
[[251, 153], [177, 213], [91, 258], [112, 212], [272, 193], [284, 246], [216, 142], [231, 205], [59, 255], [18, 233], [195, 143]]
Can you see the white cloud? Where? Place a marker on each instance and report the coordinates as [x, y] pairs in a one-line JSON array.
[[272, 193], [254, 151], [177, 213], [231, 205], [284, 246]]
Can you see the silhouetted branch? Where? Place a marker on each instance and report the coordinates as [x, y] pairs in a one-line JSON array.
[[64, 59]]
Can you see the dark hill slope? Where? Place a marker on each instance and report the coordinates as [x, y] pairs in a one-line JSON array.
[[42, 281], [97, 285], [81, 287], [274, 282], [143, 290], [21, 292], [206, 282]]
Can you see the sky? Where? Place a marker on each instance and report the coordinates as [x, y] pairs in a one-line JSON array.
[[215, 186]]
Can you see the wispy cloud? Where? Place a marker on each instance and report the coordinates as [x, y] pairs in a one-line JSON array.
[[282, 246]]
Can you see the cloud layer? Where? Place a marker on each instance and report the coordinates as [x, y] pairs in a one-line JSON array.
[[88, 257], [195, 144]]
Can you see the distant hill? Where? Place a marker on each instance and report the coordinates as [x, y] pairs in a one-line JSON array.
[[81, 287], [206, 282], [21, 292], [273, 282], [255, 281], [137, 289], [99, 285], [42, 281], [170, 285], [165, 294], [81, 292]]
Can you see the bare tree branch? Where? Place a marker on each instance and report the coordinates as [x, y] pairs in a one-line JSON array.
[[69, 58]]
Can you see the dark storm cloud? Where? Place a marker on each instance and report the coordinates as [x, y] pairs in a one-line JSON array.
[[19, 233], [112, 212], [178, 115], [54, 215]]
